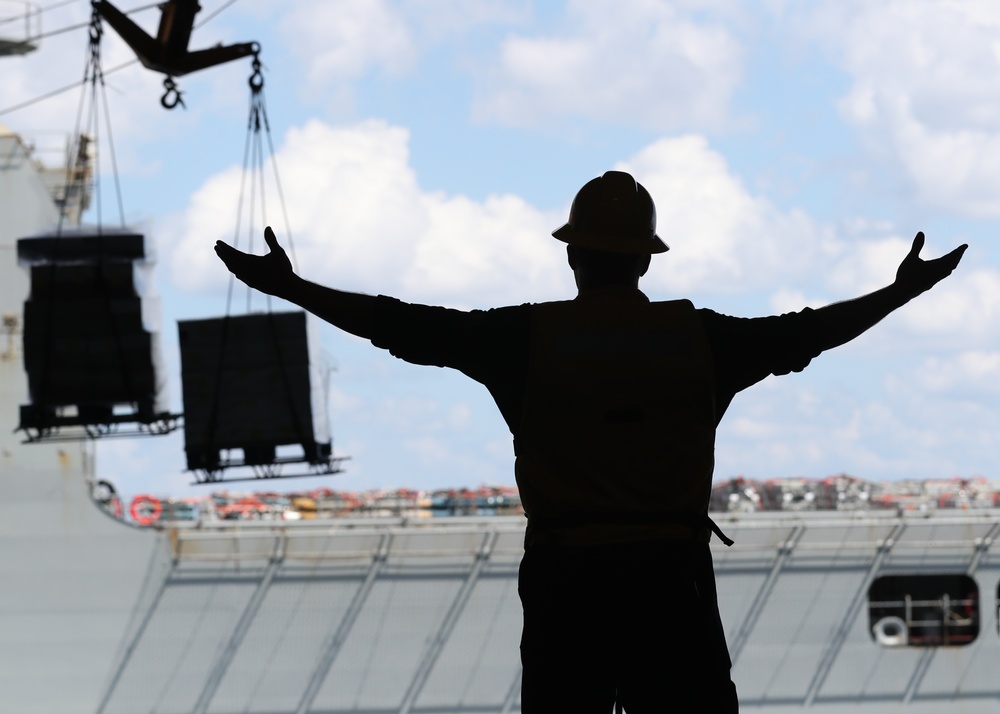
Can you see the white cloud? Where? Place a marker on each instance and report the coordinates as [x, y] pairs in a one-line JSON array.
[[975, 373], [640, 61], [965, 309], [926, 85], [343, 40], [335, 46], [723, 239], [428, 449], [438, 20], [789, 300], [474, 253], [341, 401], [903, 428], [459, 416], [352, 203], [346, 39], [361, 221], [868, 265]]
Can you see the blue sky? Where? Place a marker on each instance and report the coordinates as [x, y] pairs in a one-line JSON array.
[[427, 149]]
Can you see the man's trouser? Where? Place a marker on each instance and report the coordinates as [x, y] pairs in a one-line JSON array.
[[637, 623]]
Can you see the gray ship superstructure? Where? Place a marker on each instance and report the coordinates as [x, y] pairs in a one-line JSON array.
[[70, 575], [844, 599]]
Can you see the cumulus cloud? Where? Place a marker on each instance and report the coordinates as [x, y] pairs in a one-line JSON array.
[[352, 206], [723, 238], [648, 62], [869, 264], [965, 310], [438, 20], [899, 427], [360, 221], [926, 86], [443, 441], [972, 373], [345, 39], [786, 299], [428, 449]]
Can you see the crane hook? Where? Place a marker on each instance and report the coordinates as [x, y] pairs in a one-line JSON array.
[[172, 97], [256, 80]]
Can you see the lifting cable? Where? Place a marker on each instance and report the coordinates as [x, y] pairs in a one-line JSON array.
[[94, 74], [253, 163], [86, 129], [258, 127]]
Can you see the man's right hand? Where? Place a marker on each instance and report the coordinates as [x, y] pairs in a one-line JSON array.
[[271, 273]]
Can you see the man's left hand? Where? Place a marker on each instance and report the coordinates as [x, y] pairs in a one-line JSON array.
[[915, 275], [270, 273]]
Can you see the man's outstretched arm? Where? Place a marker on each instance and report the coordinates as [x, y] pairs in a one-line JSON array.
[[843, 321], [272, 274]]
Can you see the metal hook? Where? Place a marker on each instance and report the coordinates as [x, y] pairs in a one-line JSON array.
[[172, 97], [96, 30], [256, 80]]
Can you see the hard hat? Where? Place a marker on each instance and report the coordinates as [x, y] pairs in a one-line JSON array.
[[615, 213]]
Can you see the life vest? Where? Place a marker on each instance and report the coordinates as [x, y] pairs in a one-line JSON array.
[[617, 437]]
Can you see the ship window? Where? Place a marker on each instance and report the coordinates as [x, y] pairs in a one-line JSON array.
[[923, 610]]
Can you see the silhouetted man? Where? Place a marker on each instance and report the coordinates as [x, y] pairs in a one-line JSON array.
[[613, 402]]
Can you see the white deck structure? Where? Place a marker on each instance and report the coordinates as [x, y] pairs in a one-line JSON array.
[[389, 616]]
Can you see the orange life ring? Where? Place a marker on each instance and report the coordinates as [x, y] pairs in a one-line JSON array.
[[145, 510]]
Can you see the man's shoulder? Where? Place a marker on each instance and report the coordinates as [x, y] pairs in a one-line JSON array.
[[394, 308], [504, 316], [682, 303], [718, 320], [509, 309]]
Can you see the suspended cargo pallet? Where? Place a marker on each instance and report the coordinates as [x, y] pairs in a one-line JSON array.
[[92, 348], [254, 398]]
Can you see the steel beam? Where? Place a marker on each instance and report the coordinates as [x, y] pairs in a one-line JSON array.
[[982, 546], [512, 694], [764, 592], [840, 634], [136, 638], [344, 628], [448, 624], [240, 630]]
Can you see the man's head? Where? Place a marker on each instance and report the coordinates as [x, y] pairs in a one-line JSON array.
[[611, 232], [613, 213]]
